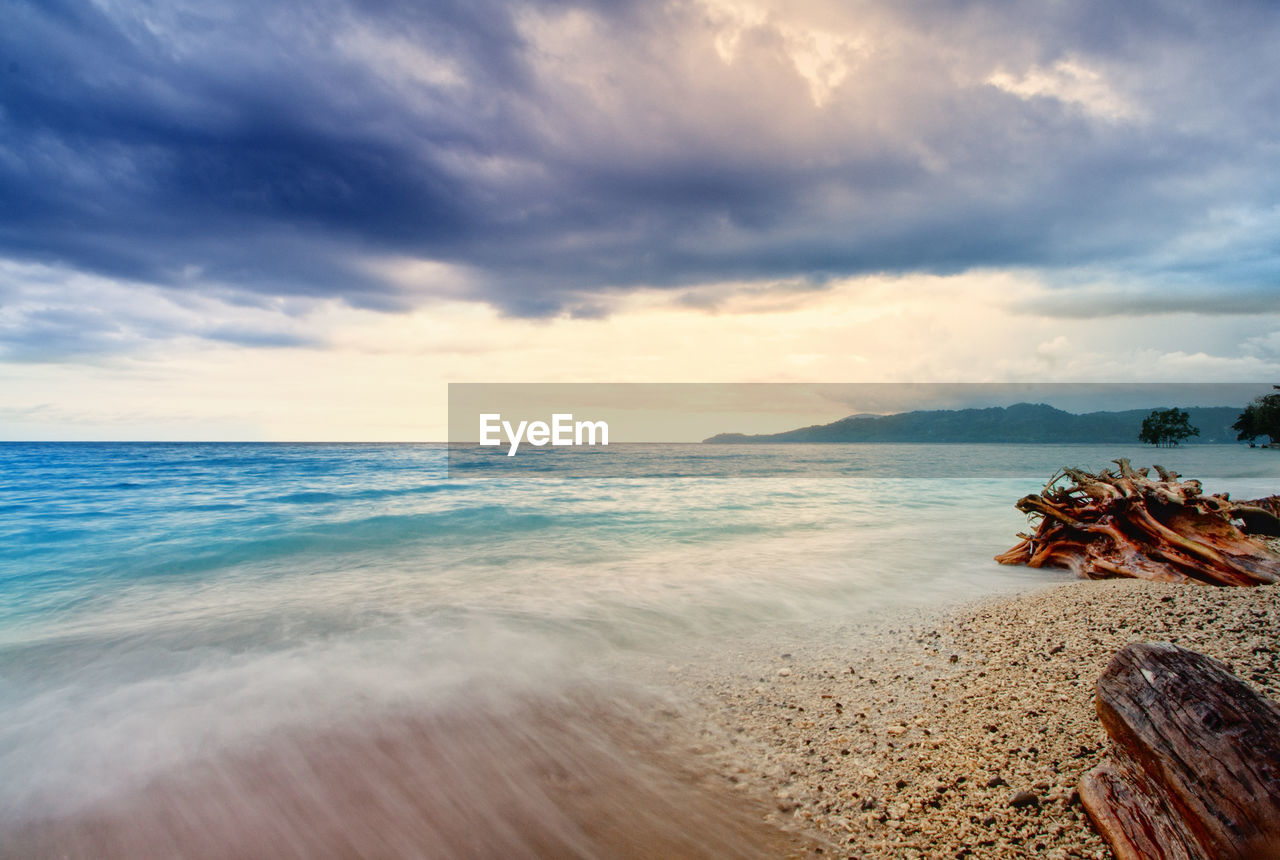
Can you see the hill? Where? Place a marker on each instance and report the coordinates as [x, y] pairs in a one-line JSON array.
[[1022, 422]]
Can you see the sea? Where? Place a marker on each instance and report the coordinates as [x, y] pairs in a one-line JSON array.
[[386, 650]]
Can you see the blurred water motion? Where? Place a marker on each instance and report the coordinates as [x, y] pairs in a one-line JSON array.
[[578, 777]]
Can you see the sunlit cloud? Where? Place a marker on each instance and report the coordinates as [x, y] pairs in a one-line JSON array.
[[1068, 81], [823, 58]]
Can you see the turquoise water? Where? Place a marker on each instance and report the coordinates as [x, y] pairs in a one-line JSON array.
[[160, 602]]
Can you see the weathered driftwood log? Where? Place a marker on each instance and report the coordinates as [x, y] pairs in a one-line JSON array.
[[1125, 523], [1261, 516], [1196, 767]]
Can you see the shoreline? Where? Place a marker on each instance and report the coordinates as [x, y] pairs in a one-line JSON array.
[[967, 730], [951, 731]]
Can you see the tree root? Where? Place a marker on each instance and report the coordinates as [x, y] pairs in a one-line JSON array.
[[1125, 523]]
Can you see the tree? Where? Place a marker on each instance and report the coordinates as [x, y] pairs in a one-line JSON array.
[[1165, 428], [1260, 418]]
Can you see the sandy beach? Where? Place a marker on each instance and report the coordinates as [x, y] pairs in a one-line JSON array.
[[958, 733], [967, 733]]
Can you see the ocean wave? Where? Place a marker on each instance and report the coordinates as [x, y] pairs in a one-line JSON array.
[[385, 533], [365, 494]]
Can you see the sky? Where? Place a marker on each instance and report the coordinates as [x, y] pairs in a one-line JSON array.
[[302, 220]]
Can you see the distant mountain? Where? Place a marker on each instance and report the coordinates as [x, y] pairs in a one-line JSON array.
[[1022, 422]]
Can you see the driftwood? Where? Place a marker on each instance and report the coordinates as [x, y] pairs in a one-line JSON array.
[[1196, 767], [1261, 516], [1125, 523]]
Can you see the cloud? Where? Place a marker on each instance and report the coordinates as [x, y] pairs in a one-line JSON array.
[[49, 314], [1068, 81], [384, 376], [543, 157], [1108, 300]]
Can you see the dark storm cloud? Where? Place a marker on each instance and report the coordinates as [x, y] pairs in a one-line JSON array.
[[554, 150], [223, 142]]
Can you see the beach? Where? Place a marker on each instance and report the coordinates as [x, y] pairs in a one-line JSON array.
[[967, 733], [960, 733], [320, 651]]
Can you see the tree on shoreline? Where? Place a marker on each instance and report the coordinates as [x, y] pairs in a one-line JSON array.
[[1260, 418], [1165, 428]]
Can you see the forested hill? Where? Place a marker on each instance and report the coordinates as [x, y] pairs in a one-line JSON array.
[[1022, 422]]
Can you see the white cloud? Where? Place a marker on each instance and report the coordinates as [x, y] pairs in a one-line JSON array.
[[823, 58], [1070, 81]]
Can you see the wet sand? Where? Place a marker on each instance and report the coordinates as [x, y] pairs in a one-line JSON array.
[[575, 777], [965, 733]]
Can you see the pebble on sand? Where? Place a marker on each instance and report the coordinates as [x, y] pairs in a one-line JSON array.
[[1016, 711]]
